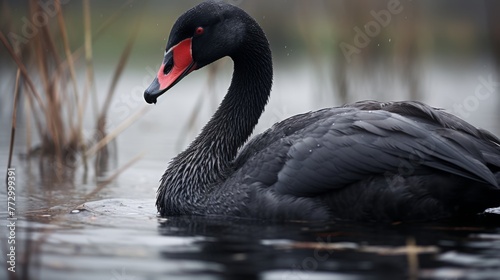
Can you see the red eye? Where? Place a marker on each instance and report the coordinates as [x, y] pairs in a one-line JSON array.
[[199, 30]]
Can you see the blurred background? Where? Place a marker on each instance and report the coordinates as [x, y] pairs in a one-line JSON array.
[[73, 73], [326, 53]]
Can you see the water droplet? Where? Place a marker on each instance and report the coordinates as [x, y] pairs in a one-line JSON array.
[[75, 211], [285, 46], [318, 145], [378, 45], [310, 151], [389, 40]]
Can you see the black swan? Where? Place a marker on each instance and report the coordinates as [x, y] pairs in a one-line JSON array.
[[367, 161]]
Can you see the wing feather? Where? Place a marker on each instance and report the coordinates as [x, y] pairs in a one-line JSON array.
[[331, 148]]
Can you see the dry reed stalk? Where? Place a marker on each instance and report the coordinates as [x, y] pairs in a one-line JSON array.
[[75, 137], [14, 118], [58, 114], [113, 134], [54, 111], [101, 121], [52, 53], [28, 128], [87, 50], [68, 53], [41, 62], [116, 76], [53, 140], [100, 31], [412, 255], [90, 79], [24, 73]]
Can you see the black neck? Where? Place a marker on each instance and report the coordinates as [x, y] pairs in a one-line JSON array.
[[206, 160], [239, 112]]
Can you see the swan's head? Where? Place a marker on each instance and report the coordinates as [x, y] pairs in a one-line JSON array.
[[199, 37]]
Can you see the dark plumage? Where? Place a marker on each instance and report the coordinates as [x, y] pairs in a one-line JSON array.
[[393, 161]]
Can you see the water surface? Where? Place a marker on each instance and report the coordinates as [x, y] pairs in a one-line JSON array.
[[116, 234]]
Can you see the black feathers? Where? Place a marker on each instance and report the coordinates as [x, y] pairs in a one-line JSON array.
[[368, 161]]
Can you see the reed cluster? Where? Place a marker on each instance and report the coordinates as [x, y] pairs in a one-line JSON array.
[[49, 83]]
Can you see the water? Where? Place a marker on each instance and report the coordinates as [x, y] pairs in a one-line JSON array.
[[117, 235], [123, 239]]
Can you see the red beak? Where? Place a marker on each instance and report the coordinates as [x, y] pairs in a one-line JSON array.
[[177, 63]]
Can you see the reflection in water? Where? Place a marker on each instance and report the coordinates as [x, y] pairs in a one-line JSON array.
[[124, 237], [242, 249]]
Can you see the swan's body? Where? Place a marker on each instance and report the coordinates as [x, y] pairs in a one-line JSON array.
[[364, 161]]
